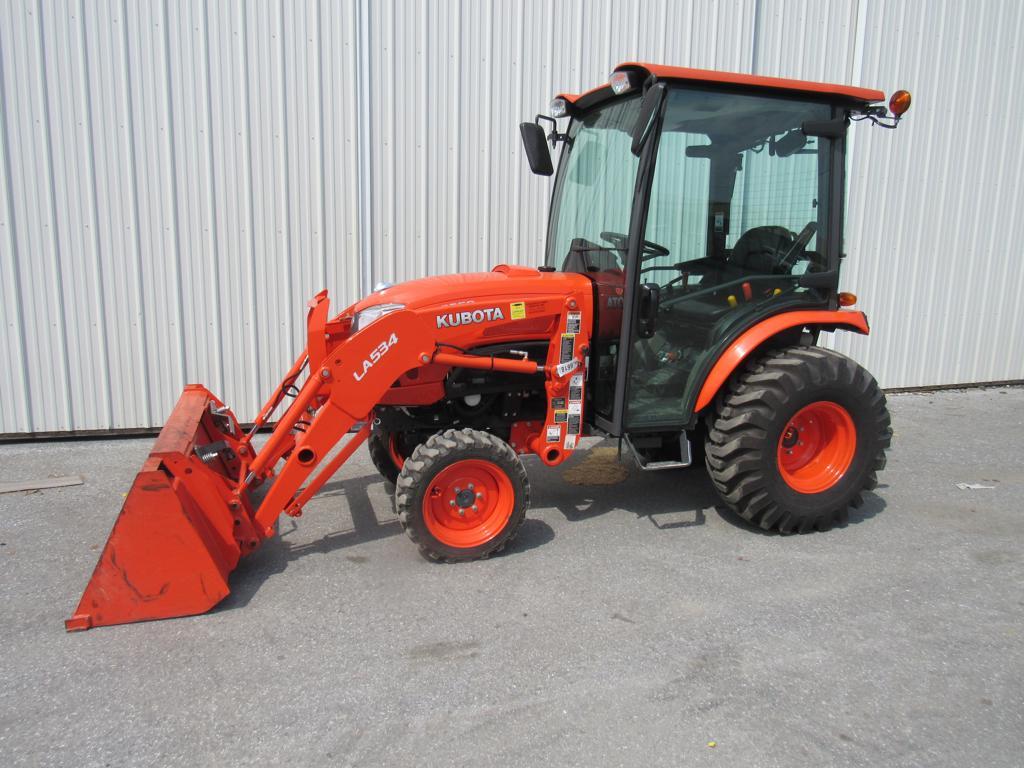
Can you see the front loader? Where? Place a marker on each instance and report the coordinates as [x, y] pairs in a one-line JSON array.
[[693, 256]]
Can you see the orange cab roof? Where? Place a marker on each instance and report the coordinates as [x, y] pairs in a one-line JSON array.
[[663, 72]]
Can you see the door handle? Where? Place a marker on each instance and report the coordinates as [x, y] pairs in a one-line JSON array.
[[647, 312]]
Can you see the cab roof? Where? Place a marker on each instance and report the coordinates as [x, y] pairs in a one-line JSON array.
[[712, 77]]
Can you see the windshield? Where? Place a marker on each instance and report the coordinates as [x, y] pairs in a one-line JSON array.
[[594, 191]]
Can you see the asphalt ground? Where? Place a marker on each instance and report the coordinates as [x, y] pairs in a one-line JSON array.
[[629, 624]]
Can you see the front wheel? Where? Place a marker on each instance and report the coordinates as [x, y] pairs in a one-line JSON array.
[[798, 437], [389, 450], [462, 495]]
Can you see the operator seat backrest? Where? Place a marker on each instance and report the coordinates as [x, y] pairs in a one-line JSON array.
[[759, 250]]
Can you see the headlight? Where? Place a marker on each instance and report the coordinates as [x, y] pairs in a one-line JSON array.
[[620, 82], [559, 107], [375, 312]]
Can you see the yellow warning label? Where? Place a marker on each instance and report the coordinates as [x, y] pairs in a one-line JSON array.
[[517, 309]]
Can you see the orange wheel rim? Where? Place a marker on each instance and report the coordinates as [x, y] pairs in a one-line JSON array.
[[817, 447], [468, 503], [396, 455]]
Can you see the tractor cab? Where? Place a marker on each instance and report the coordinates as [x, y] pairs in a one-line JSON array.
[[699, 203]]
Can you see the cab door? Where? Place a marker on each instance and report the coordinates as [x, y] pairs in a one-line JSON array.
[[737, 214]]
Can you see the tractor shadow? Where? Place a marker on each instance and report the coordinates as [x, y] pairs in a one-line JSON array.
[[667, 502], [669, 499], [352, 495]]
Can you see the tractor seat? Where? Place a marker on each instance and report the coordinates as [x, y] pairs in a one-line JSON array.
[[759, 250]]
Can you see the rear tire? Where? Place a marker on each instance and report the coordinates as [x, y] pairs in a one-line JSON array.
[[462, 495], [797, 438]]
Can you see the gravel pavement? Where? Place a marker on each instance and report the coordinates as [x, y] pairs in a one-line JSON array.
[[629, 624]]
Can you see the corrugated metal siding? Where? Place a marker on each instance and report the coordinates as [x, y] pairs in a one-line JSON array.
[[934, 207], [180, 177]]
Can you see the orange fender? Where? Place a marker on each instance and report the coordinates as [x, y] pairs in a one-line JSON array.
[[753, 337]]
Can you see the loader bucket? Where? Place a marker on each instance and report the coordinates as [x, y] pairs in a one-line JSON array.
[[180, 531]]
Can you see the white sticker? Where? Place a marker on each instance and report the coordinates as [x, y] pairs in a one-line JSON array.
[[573, 426], [554, 434], [576, 388], [570, 442], [564, 368], [565, 349], [575, 407], [572, 322]]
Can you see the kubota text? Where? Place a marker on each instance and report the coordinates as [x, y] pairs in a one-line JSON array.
[[454, 319]]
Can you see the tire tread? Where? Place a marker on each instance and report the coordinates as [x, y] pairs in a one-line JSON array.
[[746, 413], [422, 466]]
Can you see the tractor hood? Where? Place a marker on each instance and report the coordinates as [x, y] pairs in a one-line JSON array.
[[506, 283]]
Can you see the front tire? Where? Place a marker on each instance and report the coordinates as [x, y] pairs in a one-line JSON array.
[[462, 495], [388, 451], [797, 438]]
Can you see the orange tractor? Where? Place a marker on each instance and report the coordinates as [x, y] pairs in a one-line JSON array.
[[693, 257]]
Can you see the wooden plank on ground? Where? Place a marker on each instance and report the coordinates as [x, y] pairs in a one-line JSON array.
[[12, 486]]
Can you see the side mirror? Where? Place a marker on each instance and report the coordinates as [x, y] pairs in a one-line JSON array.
[[649, 109], [647, 311], [536, 145], [826, 129]]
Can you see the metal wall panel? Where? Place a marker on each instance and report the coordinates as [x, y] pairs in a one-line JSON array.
[[180, 176], [934, 207]]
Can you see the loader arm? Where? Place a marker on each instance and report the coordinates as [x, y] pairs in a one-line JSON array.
[[207, 495]]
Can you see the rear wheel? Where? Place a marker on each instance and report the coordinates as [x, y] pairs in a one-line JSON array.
[[462, 495], [798, 437]]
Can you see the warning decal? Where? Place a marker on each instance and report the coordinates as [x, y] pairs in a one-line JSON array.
[[576, 388], [517, 310], [554, 434], [561, 417], [574, 424], [566, 350], [572, 322]]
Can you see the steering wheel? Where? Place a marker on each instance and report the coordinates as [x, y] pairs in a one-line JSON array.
[[651, 250]]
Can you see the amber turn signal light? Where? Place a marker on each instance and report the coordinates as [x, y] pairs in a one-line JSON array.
[[847, 299], [899, 102]]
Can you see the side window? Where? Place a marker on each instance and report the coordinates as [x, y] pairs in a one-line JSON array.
[[777, 191]]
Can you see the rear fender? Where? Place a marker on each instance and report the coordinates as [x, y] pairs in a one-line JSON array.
[[758, 334]]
